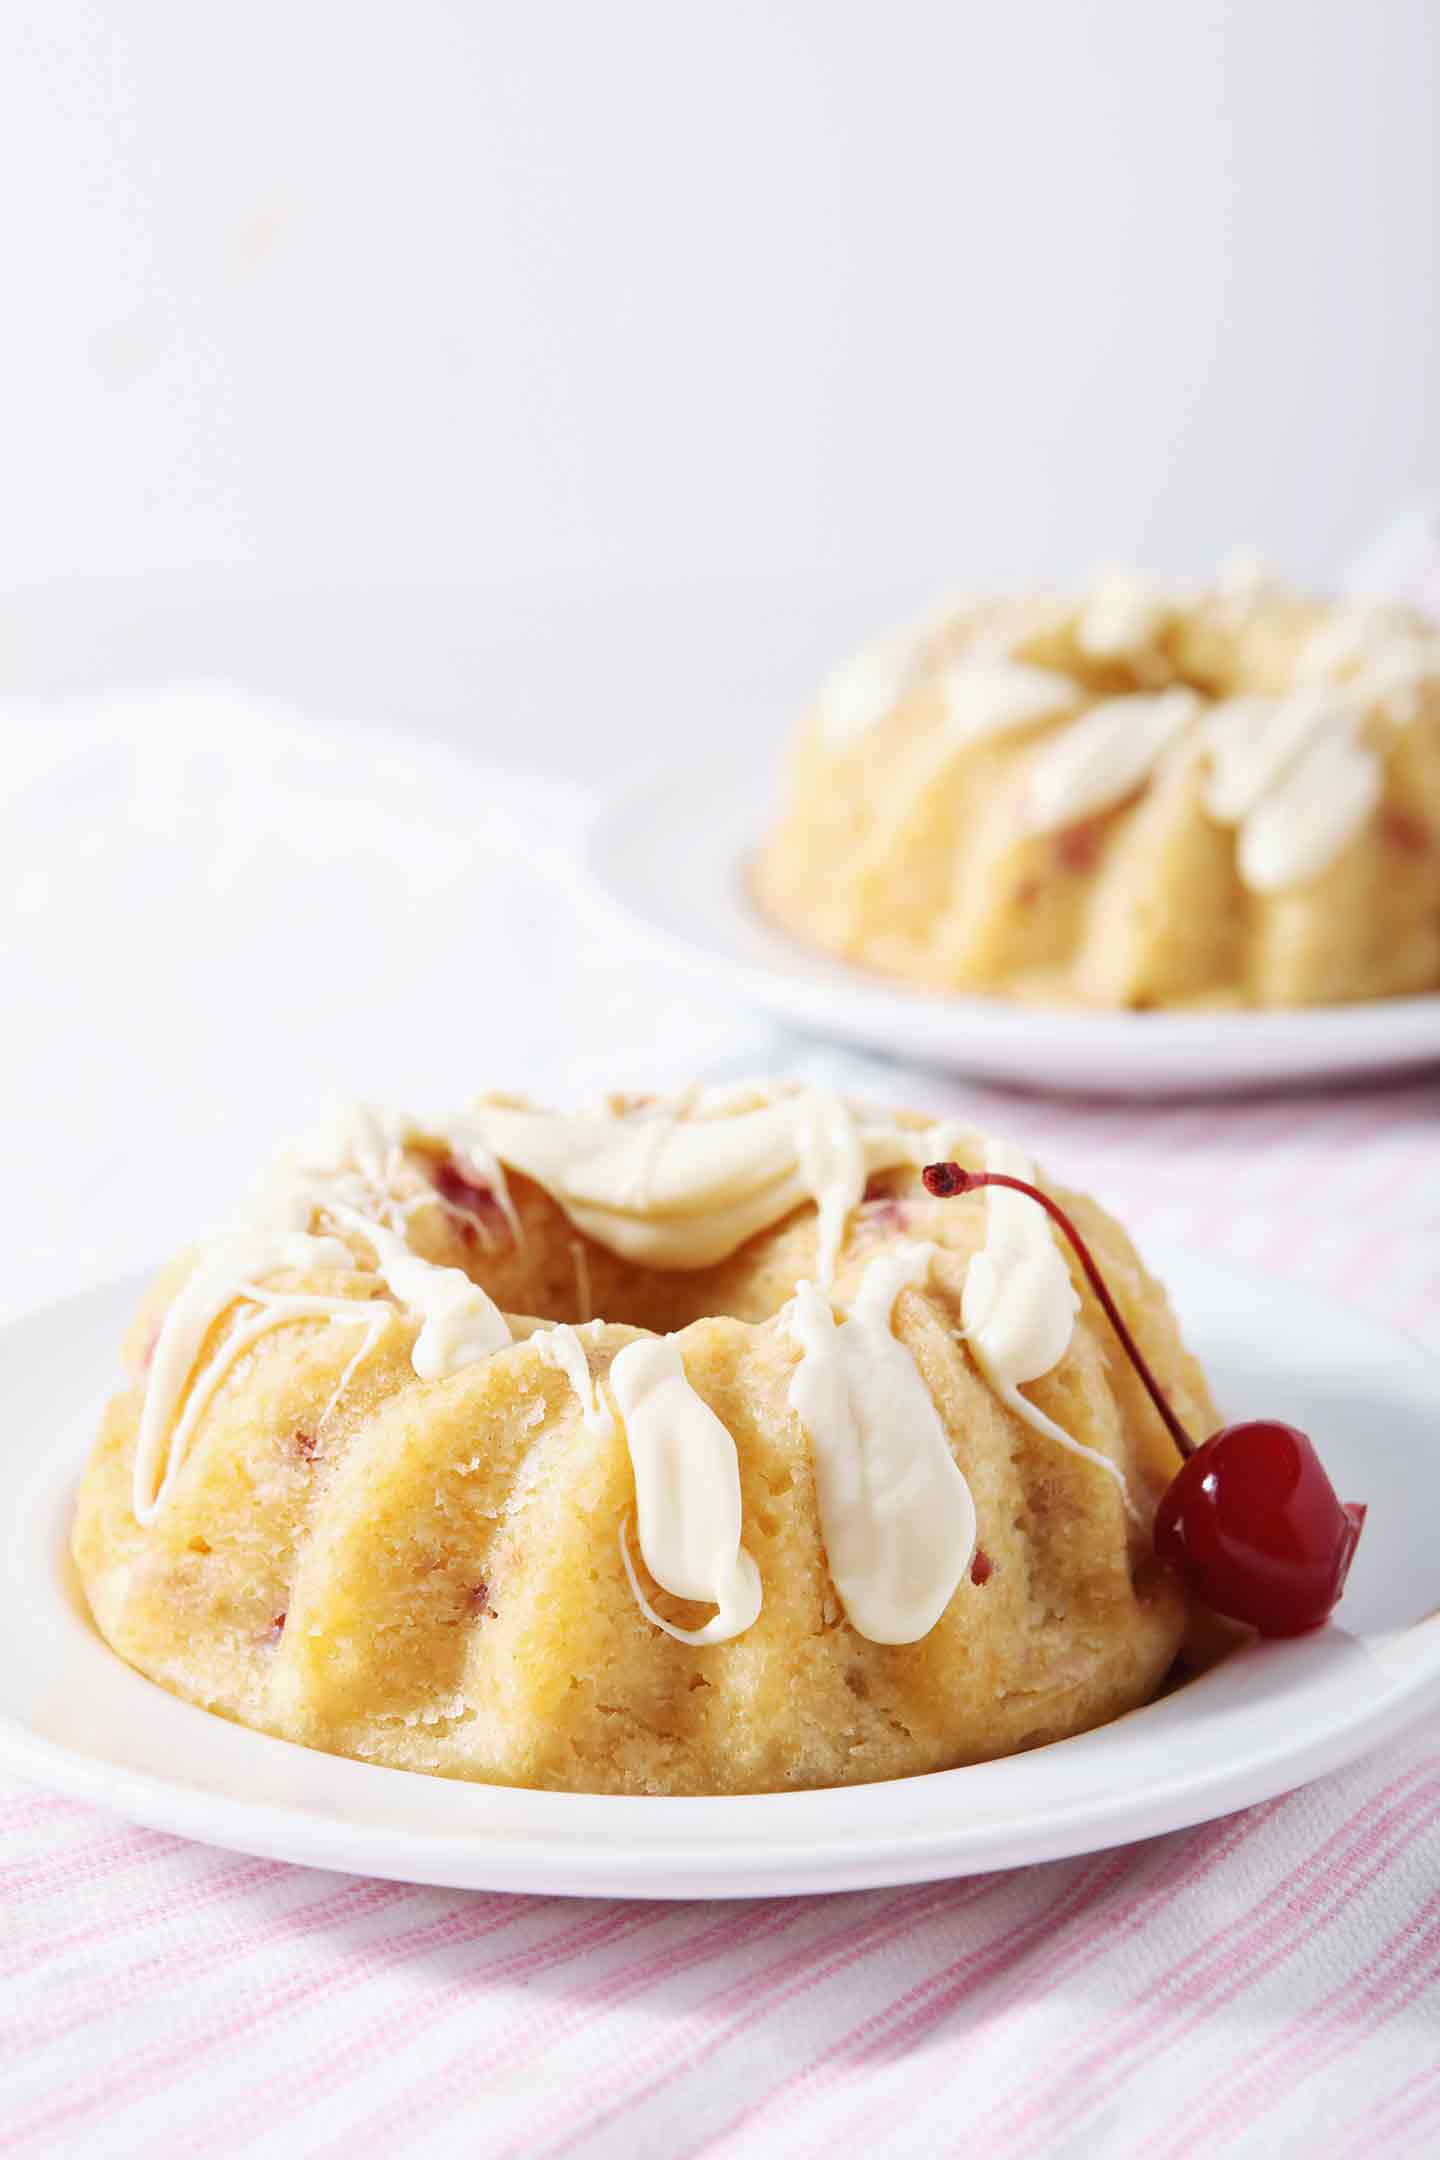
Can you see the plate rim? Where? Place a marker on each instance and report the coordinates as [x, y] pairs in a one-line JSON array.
[[525, 1863], [768, 1844], [986, 1036]]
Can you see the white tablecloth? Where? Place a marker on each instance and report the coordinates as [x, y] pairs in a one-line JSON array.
[[224, 917]]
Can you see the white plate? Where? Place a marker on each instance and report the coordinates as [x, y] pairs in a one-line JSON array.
[[73, 1716], [670, 852]]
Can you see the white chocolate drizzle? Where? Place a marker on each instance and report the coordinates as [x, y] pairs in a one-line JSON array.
[[370, 1143], [1293, 773], [1106, 755], [1296, 776], [896, 1514], [687, 1494], [684, 1186], [459, 1322], [986, 696], [1322, 800], [831, 1159], [223, 1275], [1019, 1304], [868, 686], [346, 1175], [1122, 616], [1251, 741], [561, 1347]]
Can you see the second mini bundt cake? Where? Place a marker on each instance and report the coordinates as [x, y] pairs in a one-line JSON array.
[[1133, 799], [677, 1447]]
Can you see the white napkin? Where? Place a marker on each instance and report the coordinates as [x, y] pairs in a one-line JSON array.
[[225, 915]]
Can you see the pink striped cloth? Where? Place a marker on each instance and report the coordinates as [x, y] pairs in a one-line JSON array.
[[1265, 1984], [1262, 1985]]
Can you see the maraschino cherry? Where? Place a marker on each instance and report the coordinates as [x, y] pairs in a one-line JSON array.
[[1250, 1521]]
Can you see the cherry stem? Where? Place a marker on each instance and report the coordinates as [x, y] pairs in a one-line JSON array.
[[946, 1180]]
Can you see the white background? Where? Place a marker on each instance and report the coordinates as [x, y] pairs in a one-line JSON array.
[[577, 380], [576, 376]]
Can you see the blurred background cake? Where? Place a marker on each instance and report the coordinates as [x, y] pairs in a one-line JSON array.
[[1133, 797]]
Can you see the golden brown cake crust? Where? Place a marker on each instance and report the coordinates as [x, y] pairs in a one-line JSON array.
[[428, 1573]]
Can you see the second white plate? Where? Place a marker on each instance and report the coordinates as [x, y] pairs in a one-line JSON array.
[[670, 854], [73, 1716]]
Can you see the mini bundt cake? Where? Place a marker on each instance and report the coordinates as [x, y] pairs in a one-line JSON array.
[[1128, 800], [679, 1446]]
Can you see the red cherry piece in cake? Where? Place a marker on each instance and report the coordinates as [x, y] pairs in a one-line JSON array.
[[474, 1202], [1076, 848], [1403, 830], [1250, 1521], [982, 1567]]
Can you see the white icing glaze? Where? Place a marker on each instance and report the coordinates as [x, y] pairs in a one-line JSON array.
[[1245, 582], [561, 1347], [678, 1190], [870, 684], [1019, 1304], [345, 1173], [1250, 741], [687, 1493], [1297, 777], [1293, 772], [1295, 796], [223, 1274], [832, 1164], [987, 696], [459, 1322], [370, 1142], [1105, 755], [1122, 616], [1320, 803], [896, 1514]]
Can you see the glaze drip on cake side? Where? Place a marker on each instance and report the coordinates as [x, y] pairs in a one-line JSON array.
[[346, 1176], [1293, 773], [896, 1513], [225, 1275], [561, 1347], [687, 1494], [1019, 1304]]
